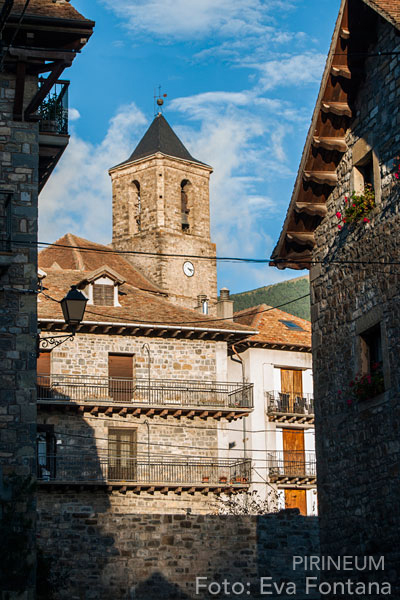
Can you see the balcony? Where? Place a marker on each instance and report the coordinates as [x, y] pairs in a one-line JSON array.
[[53, 129], [146, 397], [290, 468], [287, 408], [141, 473]]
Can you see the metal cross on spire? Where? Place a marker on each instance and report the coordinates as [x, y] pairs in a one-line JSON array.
[[158, 101]]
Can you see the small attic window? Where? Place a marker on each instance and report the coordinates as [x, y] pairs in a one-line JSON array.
[[291, 325], [103, 295]]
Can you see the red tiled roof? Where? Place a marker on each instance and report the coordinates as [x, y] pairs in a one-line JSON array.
[[268, 322], [137, 306], [388, 9], [67, 256], [61, 9]]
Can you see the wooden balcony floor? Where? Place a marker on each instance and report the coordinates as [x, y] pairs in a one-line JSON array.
[[110, 408]]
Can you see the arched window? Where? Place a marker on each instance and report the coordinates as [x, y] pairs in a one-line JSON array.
[[185, 205], [138, 204]]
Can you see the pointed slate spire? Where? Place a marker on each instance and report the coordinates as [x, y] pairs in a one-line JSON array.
[[161, 138]]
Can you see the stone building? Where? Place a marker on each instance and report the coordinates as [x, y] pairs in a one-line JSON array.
[[131, 408], [38, 41], [348, 172], [161, 205], [279, 433]]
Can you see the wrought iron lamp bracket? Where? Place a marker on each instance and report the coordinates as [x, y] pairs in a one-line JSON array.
[[54, 340]]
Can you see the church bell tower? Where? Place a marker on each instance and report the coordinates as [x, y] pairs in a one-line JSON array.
[[161, 205]]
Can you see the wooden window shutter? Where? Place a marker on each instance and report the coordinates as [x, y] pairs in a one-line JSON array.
[[103, 295], [120, 365], [122, 454], [292, 381], [43, 363], [120, 373]]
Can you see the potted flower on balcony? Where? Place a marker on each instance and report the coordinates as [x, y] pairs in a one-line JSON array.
[[223, 479], [205, 479]]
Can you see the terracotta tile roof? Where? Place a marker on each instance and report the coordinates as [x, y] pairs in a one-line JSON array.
[[137, 306], [271, 330], [66, 256], [60, 9], [388, 9]]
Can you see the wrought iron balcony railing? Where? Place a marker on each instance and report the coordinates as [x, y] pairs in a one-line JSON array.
[[168, 393], [289, 403], [291, 464], [53, 110], [165, 471]]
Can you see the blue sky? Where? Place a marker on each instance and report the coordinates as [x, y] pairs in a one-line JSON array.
[[242, 77]]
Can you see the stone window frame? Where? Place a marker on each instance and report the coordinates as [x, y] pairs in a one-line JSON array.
[[363, 325], [362, 154]]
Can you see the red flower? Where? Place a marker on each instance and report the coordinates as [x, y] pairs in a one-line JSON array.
[[396, 175], [339, 227], [351, 383], [339, 392], [366, 220], [349, 401], [345, 198], [339, 215]]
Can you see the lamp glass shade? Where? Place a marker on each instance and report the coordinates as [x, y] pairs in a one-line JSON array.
[[73, 306]]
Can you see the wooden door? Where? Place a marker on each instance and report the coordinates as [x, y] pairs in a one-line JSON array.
[[122, 454], [43, 367], [293, 452], [120, 373], [291, 388], [296, 499]]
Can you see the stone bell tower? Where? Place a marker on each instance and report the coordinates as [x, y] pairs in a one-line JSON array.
[[161, 205]]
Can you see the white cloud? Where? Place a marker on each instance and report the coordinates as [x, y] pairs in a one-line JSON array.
[[73, 114], [293, 70], [77, 197], [182, 19]]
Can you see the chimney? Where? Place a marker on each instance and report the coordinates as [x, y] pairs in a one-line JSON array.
[[225, 305]]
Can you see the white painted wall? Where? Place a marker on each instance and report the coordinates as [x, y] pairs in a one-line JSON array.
[[262, 368]]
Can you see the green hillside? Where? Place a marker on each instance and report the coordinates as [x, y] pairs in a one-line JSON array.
[[278, 294]]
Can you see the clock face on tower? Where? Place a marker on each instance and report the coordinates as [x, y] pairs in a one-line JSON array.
[[188, 268]]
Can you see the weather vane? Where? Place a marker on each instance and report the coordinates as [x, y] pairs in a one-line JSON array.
[[158, 101]]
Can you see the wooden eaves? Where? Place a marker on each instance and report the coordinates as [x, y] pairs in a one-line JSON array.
[[326, 139]]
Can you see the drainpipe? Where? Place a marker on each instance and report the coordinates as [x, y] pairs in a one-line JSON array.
[[147, 348], [148, 443], [240, 361]]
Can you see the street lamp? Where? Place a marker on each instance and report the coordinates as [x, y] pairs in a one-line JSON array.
[[73, 307]]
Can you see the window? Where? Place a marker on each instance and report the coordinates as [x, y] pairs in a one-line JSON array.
[[46, 452], [366, 170], [185, 205], [122, 454], [371, 349], [291, 325], [43, 367], [120, 373], [103, 295], [138, 204]]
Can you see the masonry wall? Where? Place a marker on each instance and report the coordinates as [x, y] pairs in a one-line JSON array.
[[358, 448], [87, 354], [18, 322], [99, 552], [161, 230]]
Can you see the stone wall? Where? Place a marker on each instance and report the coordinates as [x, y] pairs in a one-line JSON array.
[[18, 322], [161, 230], [358, 449], [87, 354], [103, 550]]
